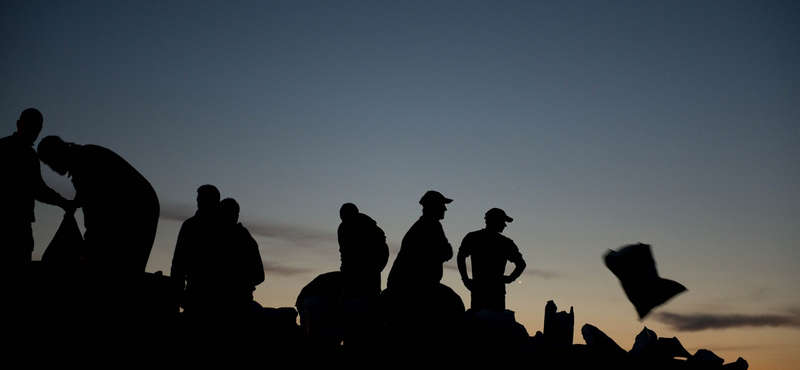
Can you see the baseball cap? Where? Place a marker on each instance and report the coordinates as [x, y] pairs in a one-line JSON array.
[[497, 213], [434, 197]]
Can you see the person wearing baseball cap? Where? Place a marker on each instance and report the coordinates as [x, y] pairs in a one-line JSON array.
[[424, 248], [489, 251], [434, 198], [418, 312]]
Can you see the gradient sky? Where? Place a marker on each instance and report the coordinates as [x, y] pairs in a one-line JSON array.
[[593, 124]]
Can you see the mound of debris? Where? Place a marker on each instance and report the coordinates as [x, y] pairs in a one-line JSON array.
[[553, 347]]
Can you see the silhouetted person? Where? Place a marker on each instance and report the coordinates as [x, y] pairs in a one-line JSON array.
[[120, 207], [424, 249], [195, 240], [120, 212], [319, 311], [364, 253], [222, 278], [240, 264], [417, 311], [489, 251], [20, 187]]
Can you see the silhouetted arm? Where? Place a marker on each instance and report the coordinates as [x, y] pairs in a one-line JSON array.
[[256, 264], [446, 249], [461, 261], [383, 256], [179, 258], [519, 265], [47, 195], [448, 252]]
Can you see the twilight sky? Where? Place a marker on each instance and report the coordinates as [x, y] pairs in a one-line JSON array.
[[593, 124]]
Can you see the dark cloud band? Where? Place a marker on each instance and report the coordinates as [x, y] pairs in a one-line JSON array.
[[699, 322]]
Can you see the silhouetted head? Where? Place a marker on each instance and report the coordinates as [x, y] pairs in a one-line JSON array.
[[29, 124], [229, 211], [55, 153], [348, 211], [434, 204], [496, 219], [207, 197]]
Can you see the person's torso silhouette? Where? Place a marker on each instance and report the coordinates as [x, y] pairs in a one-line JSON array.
[[363, 252], [21, 186], [424, 249], [489, 251]]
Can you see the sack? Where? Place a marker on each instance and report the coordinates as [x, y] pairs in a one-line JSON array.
[[67, 244], [635, 268]]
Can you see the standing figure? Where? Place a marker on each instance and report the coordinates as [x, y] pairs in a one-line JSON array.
[[489, 251], [239, 264], [120, 207], [364, 254], [21, 187], [195, 244], [424, 249]]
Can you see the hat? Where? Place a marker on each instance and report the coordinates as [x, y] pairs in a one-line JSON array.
[[434, 197], [497, 213]]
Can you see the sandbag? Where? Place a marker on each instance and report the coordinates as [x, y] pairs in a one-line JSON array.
[[636, 270], [67, 244]]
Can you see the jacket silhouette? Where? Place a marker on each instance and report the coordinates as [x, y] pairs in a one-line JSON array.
[[364, 253], [224, 272], [489, 251], [21, 187], [196, 245], [424, 249], [120, 207]]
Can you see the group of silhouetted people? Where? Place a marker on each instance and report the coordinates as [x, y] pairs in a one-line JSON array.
[[21, 187], [99, 277], [418, 267], [416, 308], [216, 264], [92, 286], [120, 208], [217, 259]]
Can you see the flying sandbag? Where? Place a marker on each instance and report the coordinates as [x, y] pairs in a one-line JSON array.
[[636, 270]]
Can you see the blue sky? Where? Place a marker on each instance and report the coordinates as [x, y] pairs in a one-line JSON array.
[[593, 124]]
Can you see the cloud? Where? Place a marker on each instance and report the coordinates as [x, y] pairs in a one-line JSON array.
[[291, 234], [544, 274], [539, 274], [275, 268], [173, 212], [699, 322]]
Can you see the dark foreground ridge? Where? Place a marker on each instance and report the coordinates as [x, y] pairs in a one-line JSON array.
[[63, 318]]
